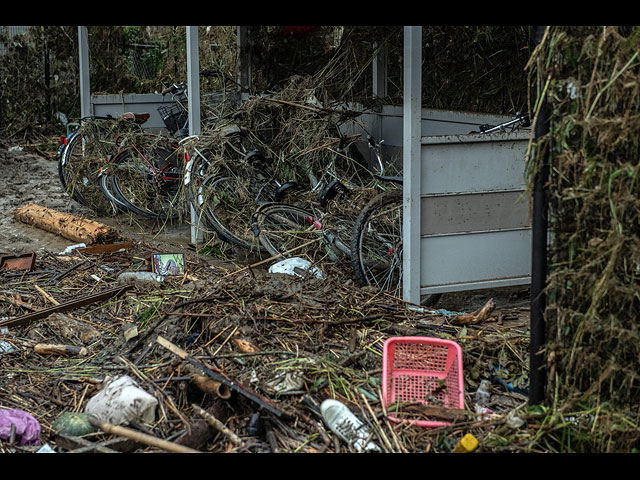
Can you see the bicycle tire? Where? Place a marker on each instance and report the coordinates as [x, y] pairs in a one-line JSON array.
[[284, 229], [376, 247], [227, 204], [78, 167], [140, 187], [118, 203]]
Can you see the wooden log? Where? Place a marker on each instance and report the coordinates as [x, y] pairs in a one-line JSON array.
[[68, 226], [211, 386]]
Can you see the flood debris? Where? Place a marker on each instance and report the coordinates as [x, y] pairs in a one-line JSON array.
[[235, 359]]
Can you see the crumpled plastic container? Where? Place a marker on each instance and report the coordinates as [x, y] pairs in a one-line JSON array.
[[27, 427], [295, 266], [122, 401]]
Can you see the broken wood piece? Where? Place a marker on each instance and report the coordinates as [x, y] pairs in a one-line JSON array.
[[47, 297], [68, 226], [475, 317], [105, 248], [244, 345], [50, 349], [218, 425], [436, 412], [141, 437], [37, 315]]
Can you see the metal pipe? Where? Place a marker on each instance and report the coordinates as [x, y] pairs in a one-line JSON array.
[[537, 371]]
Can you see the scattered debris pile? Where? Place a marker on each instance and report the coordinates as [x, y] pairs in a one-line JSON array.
[[231, 358]]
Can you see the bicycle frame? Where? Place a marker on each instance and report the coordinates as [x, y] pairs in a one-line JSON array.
[[157, 173]]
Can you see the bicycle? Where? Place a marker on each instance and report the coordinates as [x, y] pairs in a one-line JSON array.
[[175, 116], [225, 178], [377, 242], [285, 229], [144, 177], [83, 151]]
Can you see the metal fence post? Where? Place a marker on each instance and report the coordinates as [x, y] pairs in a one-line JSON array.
[[193, 87], [85, 86], [412, 108]]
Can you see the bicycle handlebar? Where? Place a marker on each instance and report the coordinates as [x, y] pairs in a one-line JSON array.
[[175, 88]]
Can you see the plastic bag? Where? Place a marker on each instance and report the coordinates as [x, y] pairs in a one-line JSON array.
[[27, 427], [295, 266], [122, 401]]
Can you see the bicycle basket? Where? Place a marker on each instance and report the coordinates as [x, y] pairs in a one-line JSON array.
[[173, 116]]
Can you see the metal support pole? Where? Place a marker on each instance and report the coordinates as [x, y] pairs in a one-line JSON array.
[[85, 86], [380, 72], [193, 80], [193, 87], [244, 62], [412, 165], [537, 372]]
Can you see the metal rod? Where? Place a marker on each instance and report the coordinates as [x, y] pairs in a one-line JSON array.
[[537, 371]]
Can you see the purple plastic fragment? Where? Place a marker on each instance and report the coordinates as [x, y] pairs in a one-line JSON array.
[[27, 427]]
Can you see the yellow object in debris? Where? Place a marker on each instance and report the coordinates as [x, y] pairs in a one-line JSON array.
[[467, 444]]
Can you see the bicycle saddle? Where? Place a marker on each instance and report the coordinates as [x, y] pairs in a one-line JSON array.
[[139, 118]]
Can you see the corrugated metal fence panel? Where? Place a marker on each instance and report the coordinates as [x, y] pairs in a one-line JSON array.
[[475, 225], [12, 31]]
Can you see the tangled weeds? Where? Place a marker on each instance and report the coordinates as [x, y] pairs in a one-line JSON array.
[[594, 192]]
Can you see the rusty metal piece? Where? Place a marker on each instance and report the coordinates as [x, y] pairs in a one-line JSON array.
[[105, 248], [24, 262], [63, 307]]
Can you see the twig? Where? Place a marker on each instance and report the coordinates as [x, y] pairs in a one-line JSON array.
[[218, 425], [141, 437]]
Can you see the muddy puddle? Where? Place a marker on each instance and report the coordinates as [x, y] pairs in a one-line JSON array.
[[33, 178]]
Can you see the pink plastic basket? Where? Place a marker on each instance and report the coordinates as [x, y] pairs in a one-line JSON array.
[[419, 370]]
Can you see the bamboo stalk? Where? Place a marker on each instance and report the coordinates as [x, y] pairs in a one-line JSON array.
[[141, 437]]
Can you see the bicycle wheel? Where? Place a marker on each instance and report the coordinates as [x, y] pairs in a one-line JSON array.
[[149, 184], [118, 203], [376, 247], [78, 168], [227, 203], [285, 230]]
